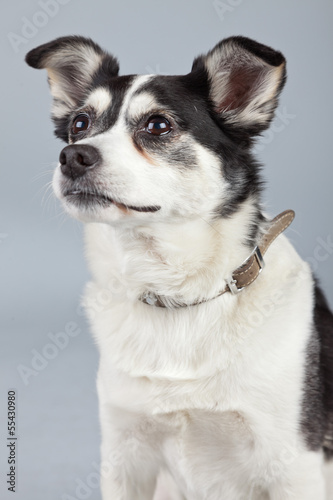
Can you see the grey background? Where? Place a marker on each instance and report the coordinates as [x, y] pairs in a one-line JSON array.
[[42, 263]]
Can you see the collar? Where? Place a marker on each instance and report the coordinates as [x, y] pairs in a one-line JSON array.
[[244, 275]]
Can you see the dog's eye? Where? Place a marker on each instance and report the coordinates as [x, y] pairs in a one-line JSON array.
[[158, 125], [80, 123]]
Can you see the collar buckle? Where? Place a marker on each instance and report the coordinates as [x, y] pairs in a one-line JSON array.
[[232, 282], [258, 255], [149, 298], [232, 285]]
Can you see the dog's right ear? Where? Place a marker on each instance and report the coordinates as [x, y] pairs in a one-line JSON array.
[[71, 63]]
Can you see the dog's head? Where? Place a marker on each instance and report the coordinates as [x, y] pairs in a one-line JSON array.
[[145, 148]]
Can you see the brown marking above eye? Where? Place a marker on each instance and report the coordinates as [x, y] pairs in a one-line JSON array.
[[81, 123], [158, 125]]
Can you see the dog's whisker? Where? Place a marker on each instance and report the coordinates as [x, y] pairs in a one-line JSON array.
[[48, 192], [42, 174]]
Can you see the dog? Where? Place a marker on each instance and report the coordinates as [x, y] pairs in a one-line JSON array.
[[216, 342]]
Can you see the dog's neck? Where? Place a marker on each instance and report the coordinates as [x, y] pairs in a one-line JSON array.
[[188, 260]]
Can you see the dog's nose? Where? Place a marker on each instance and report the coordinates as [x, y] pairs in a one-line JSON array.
[[76, 159]]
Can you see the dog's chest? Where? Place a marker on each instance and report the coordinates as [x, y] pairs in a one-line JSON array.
[[159, 361], [222, 440], [205, 389], [154, 368]]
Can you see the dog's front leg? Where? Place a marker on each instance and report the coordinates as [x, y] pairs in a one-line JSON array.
[[126, 474], [303, 479], [130, 462]]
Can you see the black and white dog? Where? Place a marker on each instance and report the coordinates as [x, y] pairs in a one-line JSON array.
[[215, 374]]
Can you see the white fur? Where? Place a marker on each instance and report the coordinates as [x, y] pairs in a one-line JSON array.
[[211, 393], [140, 104], [100, 99]]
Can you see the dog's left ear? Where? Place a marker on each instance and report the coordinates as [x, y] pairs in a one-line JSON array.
[[245, 79], [72, 62]]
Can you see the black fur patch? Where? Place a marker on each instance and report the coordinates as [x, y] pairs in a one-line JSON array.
[[267, 54], [62, 126], [317, 411], [187, 98]]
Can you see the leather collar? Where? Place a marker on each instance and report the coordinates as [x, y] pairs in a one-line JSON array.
[[244, 275]]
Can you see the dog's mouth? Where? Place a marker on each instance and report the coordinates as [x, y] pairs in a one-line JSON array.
[[89, 199]]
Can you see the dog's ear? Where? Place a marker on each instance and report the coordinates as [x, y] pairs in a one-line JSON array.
[[71, 63], [245, 79]]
